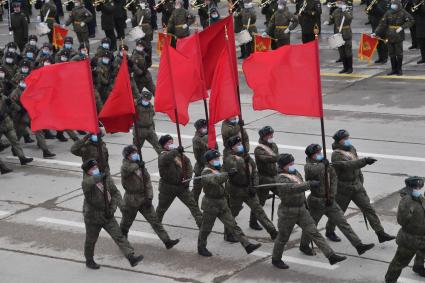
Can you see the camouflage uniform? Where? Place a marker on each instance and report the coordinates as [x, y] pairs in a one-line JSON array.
[[200, 147], [88, 150], [229, 130], [103, 81], [279, 22], [78, 16], [146, 127], [141, 74]]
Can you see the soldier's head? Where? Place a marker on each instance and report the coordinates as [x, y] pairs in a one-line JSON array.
[[25, 66], [21, 82], [167, 142], [46, 49], [68, 41], [266, 134], [17, 7], [178, 4], [247, 4], [106, 58], [395, 5], [140, 45], [30, 52], [143, 4], [281, 4], [83, 50], [65, 55], [415, 185], [232, 121], [123, 48], [235, 145], [212, 156], [12, 47], [105, 43], [286, 162], [46, 61], [130, 153], [145, 98], [33, 39], [342, 137], [77, 3], [91, 168], [92, 138], [201, 126], [9, 58], [314, 151]]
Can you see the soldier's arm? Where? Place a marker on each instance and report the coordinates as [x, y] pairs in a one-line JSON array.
[[127, 169], [89, 184], [188, 167], [216, 179], [199, 146], [294, 22], [341, 162], [409, 21], [136, 69], [246, 137], [271, 26], [382, 27], [262, 156], [148, 184], [116, 198], [348, 15], [78, 147], [405, 212], [289, 187]]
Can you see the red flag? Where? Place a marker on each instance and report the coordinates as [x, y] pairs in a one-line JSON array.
[[286, 80], [367, 46], [190, 47], [59, 34], [223, 102], [118, 112], [262, 44], [61, 97], [178, 80], [162, 38]]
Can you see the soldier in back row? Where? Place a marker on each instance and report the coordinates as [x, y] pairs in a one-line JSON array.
[[48, 14], [19, 26], [375, 11], [107, 22], [200, 147], [248, 19], [79, 18], [280, 25], [419, 16], [309, 12]]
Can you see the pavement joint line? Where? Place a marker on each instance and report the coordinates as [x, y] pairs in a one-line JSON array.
[[51, 161], [82, 225]]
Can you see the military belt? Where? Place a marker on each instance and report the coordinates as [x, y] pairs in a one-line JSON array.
[[346, 26], [77, 22], [50, 18], [394, 27], [281, 27], [180, 26]]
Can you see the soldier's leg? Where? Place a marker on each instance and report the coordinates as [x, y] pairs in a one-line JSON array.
[[153, 140], [262, 197], [343, 201], [92, 234], [316, 215], [393, 59], [165, 199], [110, 33], [41, 142], [114, 231], [285, 225], [187, 198], [419, 260], [258, 211], [140, 141], [401, 259], [150, 216], [421, 44], [230, 225], [13, 140], [208, 220], [197, 184], [413, 35], [128, 216], [348, 48], [148, 82], [343, 59], [72, 135], [361, 199], [399, 57]]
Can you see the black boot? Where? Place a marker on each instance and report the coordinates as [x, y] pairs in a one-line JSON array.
[[14, 153], [393, 66], [253, 224], [4, 170], [419, 270], [228, 237], [399, 65], [243, 53], [28, 139], [344, 64], [280, 264], [134, 260], [252, 247], [307, 250], [90, 263], [25, 160], [362, 248], [48, 135], [61, 137], [384, 237], [204, 252], [48, 154], [171, 243], [421, 61], [333, 237], [339, 60], [334, 258], [349, 65]]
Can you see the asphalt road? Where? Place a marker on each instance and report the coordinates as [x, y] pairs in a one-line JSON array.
[[41, 224]]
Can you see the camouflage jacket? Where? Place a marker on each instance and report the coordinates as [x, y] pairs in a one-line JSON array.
[[88, 150], [213, 185], [266, 156], [200, 147], [411, 217], [171, 168], [315, 171], [292, 191], [228, 130], [77, 16], [240, 179], [136, 182], [279, 22], [51, 8], [145, 116]]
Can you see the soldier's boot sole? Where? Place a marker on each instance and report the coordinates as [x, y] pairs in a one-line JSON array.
[[362, 248], [419, 270], [25, 160], [252, 247], [92, 264], [135, 260], [204, 252], [280, 264], [171, 243], [334, 258], [28, 139], [48, 154]]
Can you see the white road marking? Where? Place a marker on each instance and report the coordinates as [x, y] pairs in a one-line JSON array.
[[407, 280], [51, 161], [81, 225], [3, 213], [294, 147]]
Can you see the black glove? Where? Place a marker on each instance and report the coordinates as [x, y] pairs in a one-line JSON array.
[[141, 164], [252, 192], [241, 123], [180, 149], [246, 157], [329, 202], [370, 160], [148, 203], [325, 161], [232, 172], [314, 184]]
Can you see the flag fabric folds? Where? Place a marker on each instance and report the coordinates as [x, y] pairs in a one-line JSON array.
[[367, 47], [286, 80], [262, 44], [117, 114], [61, 97], [59, 34]]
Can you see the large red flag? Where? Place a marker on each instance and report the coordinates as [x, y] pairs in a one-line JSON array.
[[286, 80], [223, 102], [118, 112], [178, 80], [61, 97]]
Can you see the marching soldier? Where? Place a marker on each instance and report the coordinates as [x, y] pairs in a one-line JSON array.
[[145, 123], [343, 16], [102, 49], [174, 168], [266, 154], [143, 12], [214, 205], [120, 16], [141, 74], [29, 54], [230, 128], [19, 26], [292, 210], [166, 8], [350, 184], [375, 10], [32, 42], [48, 14], [309, 18], [45, 52], [101, 199], [420, 29], [241, 185], [322, 202], [280, 25], [138, 196], [248, 18], [83, 53], [87, 149], [392, 26], [200, 147], [79, 18], [107, 22], [179, 22], [411, 236], [269, 8], [103, 75], [68, 43]]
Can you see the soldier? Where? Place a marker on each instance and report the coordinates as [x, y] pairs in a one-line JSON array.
[[343, 12], [29, 54], [241, 186], [214, 205], [45, 52], [120, 16], [138, 196], [79, 18], [107, 22], [200, 147], [321, 201], [248, 18], [166, 7], [375, 13], [174, 168], [48, 15], [292, 210], [83, 53], [229, 128], [101, 199], [309, 19], [350, 184], [87, 149], [407, 5], [266, 154], [235, 7], [104, 47], [392, 26], [420, 29], [179, 22], [143, 12], [6, 128], [103, 75], [411, 236], [9, 67], [19, 26], [268, 9], [280, 25], [68, 43], [141, 74], [32, 42], [145, 123]]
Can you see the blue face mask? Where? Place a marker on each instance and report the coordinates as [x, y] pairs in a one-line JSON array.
[[68, 45], [416, 193], [105, 45], [93, 138], [45, 52], [291, 169], [240, 149], [145, 103], [30, 55], [348, 143], [105, 61], [95, 172], [394, 6], [22, 85], [135, 157], [319, 157], [233, 121], [217, 164]]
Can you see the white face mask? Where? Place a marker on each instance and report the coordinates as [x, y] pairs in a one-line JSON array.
[[2, 75], [33, 42], [139, 48], [13, 50], [22, 85], [143, 5], [47, 63], [270, 140], [25, 70], [394, 6], [172, 146], [64, 59], [247, 5], [204, 131], [280, 7], [9, 60]]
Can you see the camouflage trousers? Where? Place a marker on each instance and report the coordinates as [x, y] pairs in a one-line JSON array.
[[197, 184], [6, 129], [147, 134], [401, 259]]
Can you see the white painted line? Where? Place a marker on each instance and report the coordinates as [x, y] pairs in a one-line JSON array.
[[81, 225], [3, 213], [51, 161], [294, 147], [310, 263], [407, 280]]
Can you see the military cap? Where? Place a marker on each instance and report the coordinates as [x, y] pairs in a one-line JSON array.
[[32, 36], [25, 62], [68, 39], [164, 139], [105, 40], [414, 181], [88, 164], [47, 44], [200, 124], [267, 130], [341, 134], [146, 94], [129, 149], [233, 141], [312, 149], [211, 154], [11, 44], [285, 159]]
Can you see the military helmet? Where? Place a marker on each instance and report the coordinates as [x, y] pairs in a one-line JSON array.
[[88, 164], [105, 40], [129, 149], [164, 139], [312, 149], [233, 141], [285, 159], [414, 181], [146, 94], [211, 154], [201, 123], [267, 130], [68, 39], [340, 135], [32, 36]]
